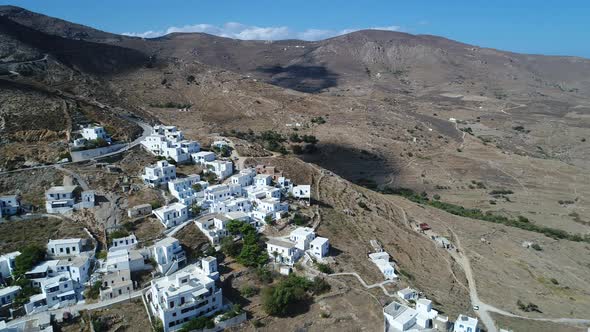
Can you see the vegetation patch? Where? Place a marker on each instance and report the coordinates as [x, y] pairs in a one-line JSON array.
[[520, 222]]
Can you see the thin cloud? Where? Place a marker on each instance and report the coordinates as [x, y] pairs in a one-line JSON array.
[[249, 32]]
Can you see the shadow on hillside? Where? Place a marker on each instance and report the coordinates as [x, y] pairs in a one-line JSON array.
[[359, 166], [310, 79]]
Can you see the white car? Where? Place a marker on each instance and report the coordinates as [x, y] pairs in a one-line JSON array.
[[475, 307]]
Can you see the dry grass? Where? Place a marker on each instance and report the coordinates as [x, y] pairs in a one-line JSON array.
[[126, 316], [15, 235]]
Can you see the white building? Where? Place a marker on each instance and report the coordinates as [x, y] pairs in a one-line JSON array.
[[94, 133], [319, 247], [9, 205], [399, 318], [262, 192], [8, 294], [125, 259], [160, 173], [239, 204], [242, 179], [187, 294], [262, 180], [301, 191], [182, 188], [169, 142], [465, 324], [219, 144], [203, 157], [270, 207], [222, 192], [381, 260], [65, 247], [169, 255], [223, 169], [283, 252], [116, 283], [172, 215], [302, 237], [408, 294], [76, 268], [7, 264], [426, 315], [60, 199], [56, 292], [127, 242]]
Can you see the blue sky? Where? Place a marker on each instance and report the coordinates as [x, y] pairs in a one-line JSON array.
[[527, 26]]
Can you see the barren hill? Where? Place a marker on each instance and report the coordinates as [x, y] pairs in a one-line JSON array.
[[496, 131]]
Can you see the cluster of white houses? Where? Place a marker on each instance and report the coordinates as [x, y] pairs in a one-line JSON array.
[[246, 196], [60, 278], [302, 240], [401, 316]]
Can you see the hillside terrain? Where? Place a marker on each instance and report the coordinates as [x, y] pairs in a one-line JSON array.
[[505, 133]]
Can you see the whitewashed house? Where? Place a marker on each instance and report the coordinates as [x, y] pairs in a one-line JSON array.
[[262, 180], [182, 188], [283, 252], [465, 324], [408, 294], [219, 144], [302, 237], [242, 179], [169, 255], [60, 199], [169, 142], [319, 247], [232, 204], [116, 283], [128, 242], [76, 268], [222, 192], [301, 191], [158, 174], [125, 259], [95, 132], [203, 157], [65, 247], [172, 215], [56, 292], [262, 192], [399, 318], [381, 260], [425, 314], [9, 205], [187, 294], [8, 294], [7, 264], [222, 168], [272, 208], [213, 226]]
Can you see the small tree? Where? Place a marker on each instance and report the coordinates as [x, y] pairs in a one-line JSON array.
[[268, 220], [197, 187]]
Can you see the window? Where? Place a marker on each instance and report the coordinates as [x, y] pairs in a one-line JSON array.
[[171, 304]]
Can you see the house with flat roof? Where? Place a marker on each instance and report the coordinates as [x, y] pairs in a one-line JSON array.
[[8, 294], [125, 259], [301, 191], [407, 294], [56, 292], [169, 255], [189, 293], [139, 210], [159, 173], [319, 247], [7, 264], [127, 242], [399, 318], [116, 283], [172, 215], [465, 324], [202, 157], [9, 205], [283, 252], [222, 168], [182, 188], [381, 260], [60, 199], [65, 247]]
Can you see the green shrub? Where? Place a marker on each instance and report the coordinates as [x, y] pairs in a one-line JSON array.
[[249, 291], [199, 323], [324, 268]]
